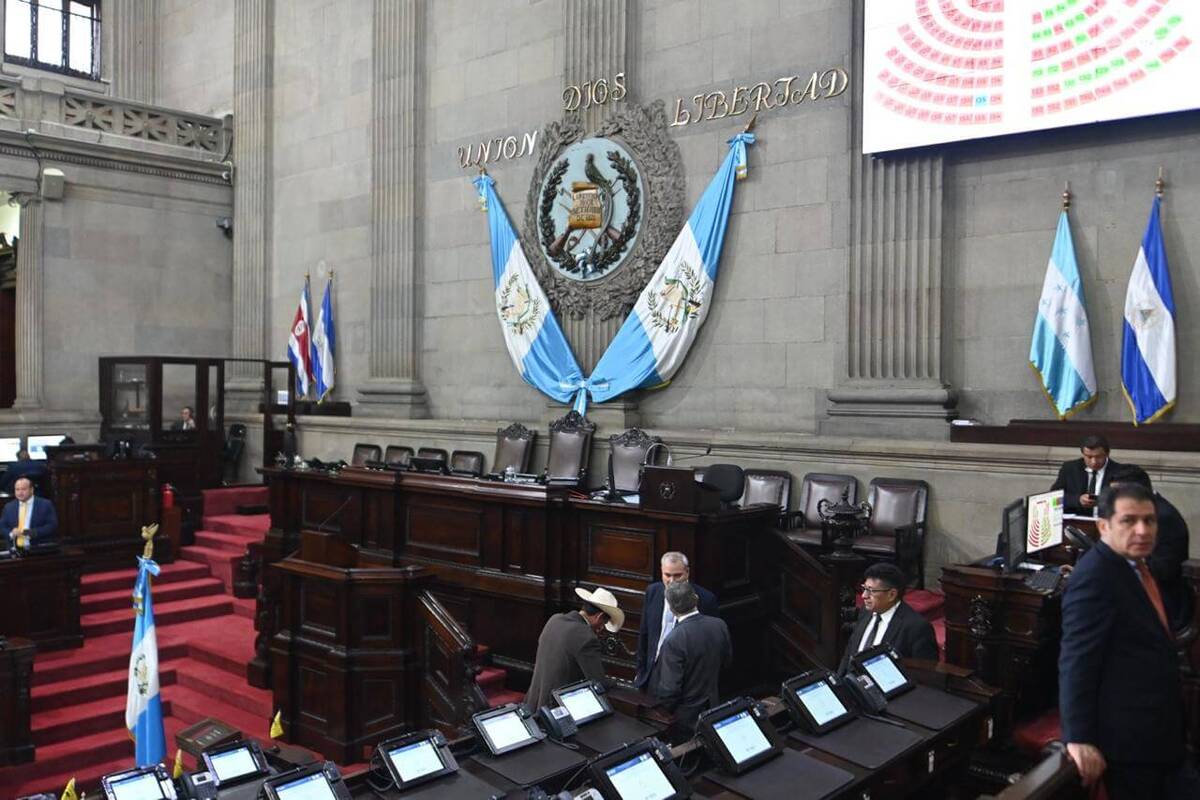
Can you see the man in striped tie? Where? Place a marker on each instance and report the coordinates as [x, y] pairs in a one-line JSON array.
[[27, 520]]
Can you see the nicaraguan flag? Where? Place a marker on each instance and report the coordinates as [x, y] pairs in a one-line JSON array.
[[143, 707], [1148, 347], [652, 343], [299, 350], [1061, 352], [535, 341], [323, 340]]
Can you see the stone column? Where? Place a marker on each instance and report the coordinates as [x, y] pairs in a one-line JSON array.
[[134, 50], [893, 381], [254, 46], [397, 58], [29, 396]]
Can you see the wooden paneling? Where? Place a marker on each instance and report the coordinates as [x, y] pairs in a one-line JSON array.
[[41, 598], [102, 506], [16, 673]]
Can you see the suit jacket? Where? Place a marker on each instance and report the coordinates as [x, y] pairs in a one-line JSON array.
[[1166, 562], [567, 651], [1118, 670], [34, 470], [1073, 480], [42, 524], [688, 669], [650, 627], [909, 634]]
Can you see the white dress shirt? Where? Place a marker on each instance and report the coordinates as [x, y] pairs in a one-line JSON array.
[[669, 623], [884, 619]]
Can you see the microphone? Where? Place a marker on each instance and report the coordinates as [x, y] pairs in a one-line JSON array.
[[338, 510], [707, 451], [649, 457], [612, 495]]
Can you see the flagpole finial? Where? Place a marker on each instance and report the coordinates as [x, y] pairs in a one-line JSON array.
[[1160, 184], [1066, 196], [750, 125], [482, 169]]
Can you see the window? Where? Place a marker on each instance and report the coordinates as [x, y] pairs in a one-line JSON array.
[[58, 35]]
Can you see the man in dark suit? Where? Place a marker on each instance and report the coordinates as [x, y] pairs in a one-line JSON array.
[[186, 421], [1083, 479], [1120, 695], [886, 619], [656, 616], [568, 648], [23, 467], [27, 520], [685, 675]]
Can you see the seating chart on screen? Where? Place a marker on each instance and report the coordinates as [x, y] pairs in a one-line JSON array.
[[939, 71]]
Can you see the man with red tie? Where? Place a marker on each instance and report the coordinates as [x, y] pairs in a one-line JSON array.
[[1120, 695]]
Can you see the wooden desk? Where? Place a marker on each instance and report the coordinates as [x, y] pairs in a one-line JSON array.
[[16, 671], [102, 506], [42, 598]]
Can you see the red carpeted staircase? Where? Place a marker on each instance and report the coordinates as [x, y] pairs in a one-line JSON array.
[[205, 638]]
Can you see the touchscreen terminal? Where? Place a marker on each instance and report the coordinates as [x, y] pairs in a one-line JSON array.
[[504, 731], [308, 787], [815, 703], [229, 764], [640, 778], [883, 669], [417, 758], [742, 737], [581, 700], [138, 786]]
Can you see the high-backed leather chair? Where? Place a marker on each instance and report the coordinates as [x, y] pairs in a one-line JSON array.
[[397, 455], [815, 487], [896, 529], [435, 453], [570, 447], [514, 447], [628, 452], [364, 453], [469, 462]]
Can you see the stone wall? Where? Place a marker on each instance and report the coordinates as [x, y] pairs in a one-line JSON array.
[[194, 68]]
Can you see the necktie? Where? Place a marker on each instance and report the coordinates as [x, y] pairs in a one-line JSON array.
[[667, 626], [1151, 587], [869, 639], [1091, 482], [21, 517]]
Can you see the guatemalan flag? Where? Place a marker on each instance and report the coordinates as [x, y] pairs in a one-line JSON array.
[[323, 340], [299, 350], [1148, 347], [1061, 352], [143, 707], [535, 341], [652, 343]]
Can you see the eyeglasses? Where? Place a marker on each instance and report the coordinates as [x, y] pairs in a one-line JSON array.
[[869, 590]]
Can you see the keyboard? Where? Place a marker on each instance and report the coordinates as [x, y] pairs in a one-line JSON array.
[[1045, 580]]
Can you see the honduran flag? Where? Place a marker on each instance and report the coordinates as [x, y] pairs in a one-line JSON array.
[[143, 706], [1148, 346], [532, 334], [1061, 352], [323, 340], [656, 336], [299, 350]]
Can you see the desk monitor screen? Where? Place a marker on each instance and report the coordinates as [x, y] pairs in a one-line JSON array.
[[640, 778], [416, 760], [38, 445], [230, 763], [309, 787], [9, 447], [138, 786], [1012, 534], [504, 731], [819, 705], [880, 664], [582, 702], [1044, 527], [741, 741]]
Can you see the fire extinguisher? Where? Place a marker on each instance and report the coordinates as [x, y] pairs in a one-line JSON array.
[[168, 496]]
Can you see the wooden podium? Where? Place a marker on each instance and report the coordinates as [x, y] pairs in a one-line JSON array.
[[344, 664]]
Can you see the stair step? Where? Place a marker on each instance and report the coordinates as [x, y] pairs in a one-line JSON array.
[[106, 657], [215, 684], [222, 563], [124, 578], [178, 590], [504, 698], [189, 707], [164, 614], [254, 526], [491, 678], [226, 500], [89, 688], [245, 607], [80, 719], [234, 543]]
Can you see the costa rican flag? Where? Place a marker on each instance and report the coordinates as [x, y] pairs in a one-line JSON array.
[[1148, 346], [299, 350]]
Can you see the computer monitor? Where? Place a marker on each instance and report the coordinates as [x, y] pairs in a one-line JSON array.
[[236, 762], [306, 783], [642, 771], [739, 735], [880, 664], [1044, 525], [417, 758], [9, 447], [814, 703], [144, 783], [1012, 534], [38, 444], [506, 728], [584, 700]]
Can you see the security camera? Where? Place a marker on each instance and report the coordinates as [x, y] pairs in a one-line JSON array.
[[227, 176], [226, 226]]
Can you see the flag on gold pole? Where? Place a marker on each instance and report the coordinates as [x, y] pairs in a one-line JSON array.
[[277, 725], [177, 773], [68, 792]]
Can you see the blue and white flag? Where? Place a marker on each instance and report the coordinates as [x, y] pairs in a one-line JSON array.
[[323, 340], [1148, 347], [299, 350], [143, 706], [535, 341], [656, 336], [1061, 352]]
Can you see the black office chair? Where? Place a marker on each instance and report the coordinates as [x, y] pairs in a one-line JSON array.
[[729, 480]]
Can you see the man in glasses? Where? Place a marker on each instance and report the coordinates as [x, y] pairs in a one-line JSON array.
[[886, 619]]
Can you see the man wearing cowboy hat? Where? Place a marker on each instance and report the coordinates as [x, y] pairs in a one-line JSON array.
[[569, 650]]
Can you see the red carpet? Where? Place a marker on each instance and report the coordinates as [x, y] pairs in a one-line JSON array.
[[205, 638]]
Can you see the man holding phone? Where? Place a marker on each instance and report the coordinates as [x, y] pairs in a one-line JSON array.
[[1083, 479]]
